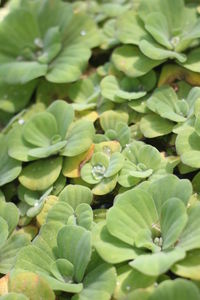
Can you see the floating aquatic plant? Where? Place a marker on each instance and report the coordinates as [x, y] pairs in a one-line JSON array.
[[99, 150]]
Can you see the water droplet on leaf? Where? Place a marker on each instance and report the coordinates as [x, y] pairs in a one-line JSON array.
[[107, 150], [36, 204], [98, 171], [175, 40], [21, 121], [38, 42], [83, 32]]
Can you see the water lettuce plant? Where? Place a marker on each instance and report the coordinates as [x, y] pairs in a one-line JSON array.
[[141, 162], [153, 229], [167, 109], [160, 31], [36, 48], [49, 132], [102, 171], [99, 150], [64, 253]]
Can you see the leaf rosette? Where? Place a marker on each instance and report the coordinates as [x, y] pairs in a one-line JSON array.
[[169, 110], [102, 171], [45, 39], [142, 162], [152, 225], [159, 31], [51, 132], [62, 257]]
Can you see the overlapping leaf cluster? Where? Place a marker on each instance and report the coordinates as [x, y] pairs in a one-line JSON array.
[[100, 150]]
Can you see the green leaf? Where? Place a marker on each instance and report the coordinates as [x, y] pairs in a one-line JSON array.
[[40, 129], [62, 286], [120, 91], [75, 195], [156, 24], [158, 53], [18, 148], [98, 284], [105, 186], [82, 30], [132, 62], [125, 178], [164, 102], [83, 91], [109, 119], [46, 240], [40, 175], [74, 244], [172, 222], [192, 63], [79, 138], [87, 172], [157, 263], [34, 259], [9, 167], [115, 164], [144, 239], [15, 37], [84, 216], [150, 157], [43, 152], [126, 218], [140, 294], [141, 161], [197, 124], [105, 244], [189, 267], [14, 98], [68, 66], [195, 182], [60, 212], [10, 213], [64, 114], [179, 289], [129, 280], [130, 28], [12, 43], [168, 187], [27, 195], [168, 8], [188, 147], [10, 250], [189, 241], [4, 231], [62, 269], [152, 125], [21, 72]]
